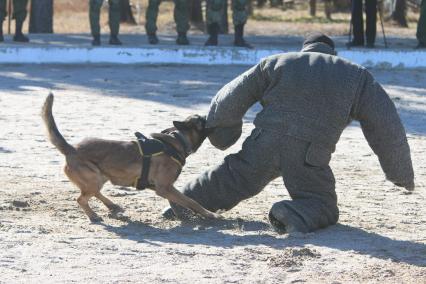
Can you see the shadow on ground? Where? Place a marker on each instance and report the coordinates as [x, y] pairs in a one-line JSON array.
[[182, 86], [233, 233]]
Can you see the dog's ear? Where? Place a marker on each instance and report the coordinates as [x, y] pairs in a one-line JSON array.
[[180, 125], [200, 123]]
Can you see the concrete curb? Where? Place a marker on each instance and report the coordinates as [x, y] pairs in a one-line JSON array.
[[192, 55]]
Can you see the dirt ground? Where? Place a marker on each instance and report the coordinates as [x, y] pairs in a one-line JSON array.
[[46, 238], [71, 16]]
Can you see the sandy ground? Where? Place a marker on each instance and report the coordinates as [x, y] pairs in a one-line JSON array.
[[45, 237]]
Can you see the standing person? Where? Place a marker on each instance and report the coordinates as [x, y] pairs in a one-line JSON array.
[[308, 99], [19, 14], [239, 19], [358, 23], [113, 20], [421, 26], [180, 14]]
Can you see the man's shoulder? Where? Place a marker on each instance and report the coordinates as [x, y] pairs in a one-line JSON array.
[[279, 60], [282, 55], [309, 58]]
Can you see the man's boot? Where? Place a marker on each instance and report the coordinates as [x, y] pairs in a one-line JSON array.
[[152, 38], [182, 39], [213, 30], [370, 45], [113, 40], [354, 43], [96, 40], [19, 36], [420, 45], [239, 37]]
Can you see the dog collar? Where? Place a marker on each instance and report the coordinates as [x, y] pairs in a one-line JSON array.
[[183, 141]]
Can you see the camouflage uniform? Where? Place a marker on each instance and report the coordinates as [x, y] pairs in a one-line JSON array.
[[19, 10], [421, 26], [114, 16], [215, 11], [19, 14], [239, 18], [308, 99], [181, 16]]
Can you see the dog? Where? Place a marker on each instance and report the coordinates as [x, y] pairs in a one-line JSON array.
[[93, 162]]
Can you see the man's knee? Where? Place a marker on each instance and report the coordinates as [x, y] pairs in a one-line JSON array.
[[96, 4], [303, 215], [234, 180], [239, 5], [154, 4], [181, 4], [114, 4], [215, 5], [20, 10]]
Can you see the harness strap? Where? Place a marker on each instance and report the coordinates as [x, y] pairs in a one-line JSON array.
[[142, 182], [149, 148]]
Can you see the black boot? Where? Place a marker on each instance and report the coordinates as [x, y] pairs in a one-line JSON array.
[[213, 30], [152, 38], [113, 40], [239, 37], [182, 39], [421, 45], [1, 32], [354, 43], [19, 36], [370, 45], [96, 40]]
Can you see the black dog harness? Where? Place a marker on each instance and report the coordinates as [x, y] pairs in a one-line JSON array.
[[150, 148]]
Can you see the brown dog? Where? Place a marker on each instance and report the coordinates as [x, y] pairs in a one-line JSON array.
[[95, 161]]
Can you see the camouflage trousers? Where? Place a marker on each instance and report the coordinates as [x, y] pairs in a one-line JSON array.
[[421, 26], [181, 16], [265, 156], [113, 19], [215, 10], [19, 10]]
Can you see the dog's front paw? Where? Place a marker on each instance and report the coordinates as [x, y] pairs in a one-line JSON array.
[[212, 215], [114, 209], [218, 216], [95, 219], [169, 214], [119, 216]]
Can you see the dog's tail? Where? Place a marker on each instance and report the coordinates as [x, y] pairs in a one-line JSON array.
[[54, 135]]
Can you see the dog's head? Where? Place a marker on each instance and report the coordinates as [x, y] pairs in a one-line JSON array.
[[194, 129]]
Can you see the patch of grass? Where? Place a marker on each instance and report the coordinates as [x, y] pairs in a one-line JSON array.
[[267, 18], [312, 20]]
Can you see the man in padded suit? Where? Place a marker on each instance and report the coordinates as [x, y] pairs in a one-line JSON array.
[[308, 98]]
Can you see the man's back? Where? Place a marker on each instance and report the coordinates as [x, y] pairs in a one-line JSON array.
[[313, 96], [312, 92]]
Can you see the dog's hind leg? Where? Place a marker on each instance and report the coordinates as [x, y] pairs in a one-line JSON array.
[[83, 201], [116, 212], [114, 208], [88, 179]]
